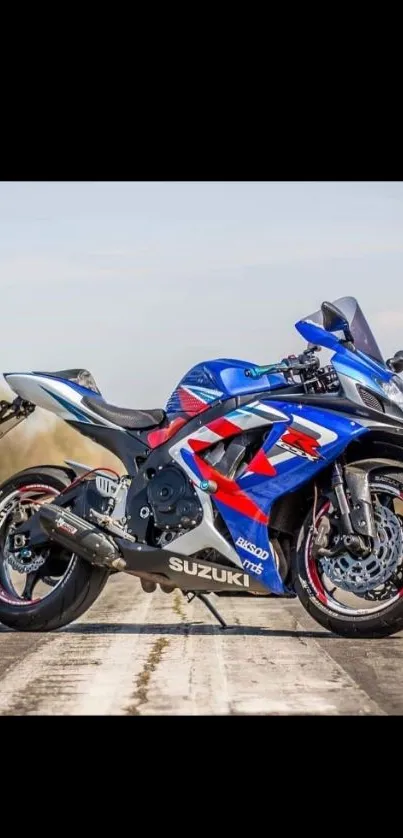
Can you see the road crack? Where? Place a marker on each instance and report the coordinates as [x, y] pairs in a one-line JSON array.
[[177, 606], [140, 696]]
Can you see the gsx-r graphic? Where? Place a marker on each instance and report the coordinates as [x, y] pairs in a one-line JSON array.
[[285, 479]]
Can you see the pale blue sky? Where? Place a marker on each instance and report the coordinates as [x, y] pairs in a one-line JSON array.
[[139, 281]]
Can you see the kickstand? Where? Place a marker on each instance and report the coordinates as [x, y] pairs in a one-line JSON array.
[[191, 596]]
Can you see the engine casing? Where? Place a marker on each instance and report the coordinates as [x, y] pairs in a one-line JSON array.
[[173, 500]]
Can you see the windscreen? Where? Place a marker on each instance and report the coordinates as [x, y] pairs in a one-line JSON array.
[[364, 340]]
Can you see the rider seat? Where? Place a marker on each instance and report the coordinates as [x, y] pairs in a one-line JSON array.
[[137, 420]]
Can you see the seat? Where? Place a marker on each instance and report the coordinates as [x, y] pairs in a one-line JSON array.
[[124, 417], [82, 377]]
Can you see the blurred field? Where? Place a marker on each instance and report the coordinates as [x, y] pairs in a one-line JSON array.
[[42, 439]]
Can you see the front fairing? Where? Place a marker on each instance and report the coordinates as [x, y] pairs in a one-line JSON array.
[[361, 368], [353, 363], [357, 373], [355, 368]]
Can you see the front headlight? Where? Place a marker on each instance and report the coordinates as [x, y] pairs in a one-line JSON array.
[[393, 390]]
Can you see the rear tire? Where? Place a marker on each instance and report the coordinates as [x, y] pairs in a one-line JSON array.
[[386, 621], [75, 592]]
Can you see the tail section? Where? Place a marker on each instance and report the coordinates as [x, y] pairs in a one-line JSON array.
[[61, 396]]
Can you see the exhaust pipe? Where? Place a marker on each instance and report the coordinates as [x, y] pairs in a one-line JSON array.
[[90, 543], [152, 564], [79, 537]]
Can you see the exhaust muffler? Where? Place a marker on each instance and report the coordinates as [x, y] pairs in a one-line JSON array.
[[90, 543], [80, 537]]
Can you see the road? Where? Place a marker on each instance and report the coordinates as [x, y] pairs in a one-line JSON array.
[[140, 654]]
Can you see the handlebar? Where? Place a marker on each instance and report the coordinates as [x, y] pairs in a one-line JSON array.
[[290, 364]]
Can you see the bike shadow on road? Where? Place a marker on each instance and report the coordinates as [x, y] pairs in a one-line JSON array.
[[184, 629], [193, 628]]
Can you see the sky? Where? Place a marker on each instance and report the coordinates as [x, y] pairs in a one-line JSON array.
[[138, 281]]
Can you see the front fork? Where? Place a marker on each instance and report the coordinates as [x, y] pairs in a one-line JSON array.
[[355, 514]]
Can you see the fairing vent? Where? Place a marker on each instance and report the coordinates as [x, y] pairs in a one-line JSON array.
[[370, 400]]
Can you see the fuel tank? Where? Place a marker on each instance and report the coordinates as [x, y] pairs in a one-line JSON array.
[[210, 381]]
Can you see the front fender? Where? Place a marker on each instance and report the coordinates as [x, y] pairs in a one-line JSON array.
[[357, 480]]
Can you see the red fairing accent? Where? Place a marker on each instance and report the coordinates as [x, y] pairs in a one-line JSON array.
[[155, 438], [190, 404], [300, 440], [261, 465], [230, 493], [223, 428], [198, 444]]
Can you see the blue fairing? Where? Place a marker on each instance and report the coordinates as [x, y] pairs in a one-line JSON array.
[[362, 369], [314, 333], [292, 470], [291, 474]]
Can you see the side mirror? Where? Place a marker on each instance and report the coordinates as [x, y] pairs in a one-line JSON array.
[[335, 321], [396, 363]]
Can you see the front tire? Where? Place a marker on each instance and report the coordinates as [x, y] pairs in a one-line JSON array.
[[385, 616], [74, 583]]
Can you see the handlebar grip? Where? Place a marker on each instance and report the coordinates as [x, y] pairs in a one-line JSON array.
[[257, 372], [287, 365]]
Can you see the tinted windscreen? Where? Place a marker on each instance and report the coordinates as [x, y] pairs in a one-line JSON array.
[[363, 338]]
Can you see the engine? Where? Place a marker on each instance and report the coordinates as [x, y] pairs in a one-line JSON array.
[[173, 500], [165, 508]]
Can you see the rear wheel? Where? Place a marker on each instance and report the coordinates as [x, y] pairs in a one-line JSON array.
[[357, 597], [46, 590]]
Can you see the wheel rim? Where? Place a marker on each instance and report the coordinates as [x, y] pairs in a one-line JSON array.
[[350, 603], [17, 587]]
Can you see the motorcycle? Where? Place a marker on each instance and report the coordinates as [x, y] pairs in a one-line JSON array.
[[282, 480]]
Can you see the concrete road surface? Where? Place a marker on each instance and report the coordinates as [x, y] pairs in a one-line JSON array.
[[151, 654]]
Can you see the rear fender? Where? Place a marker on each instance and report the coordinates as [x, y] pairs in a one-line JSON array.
[[80, 469], [62, 473]]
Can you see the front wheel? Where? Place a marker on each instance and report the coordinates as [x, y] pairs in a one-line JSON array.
[[356, 597], [49, 589]]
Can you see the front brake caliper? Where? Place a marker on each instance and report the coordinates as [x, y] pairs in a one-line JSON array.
[[321, 538]]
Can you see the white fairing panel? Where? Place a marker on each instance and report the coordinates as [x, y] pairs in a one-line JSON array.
[[63, 399]]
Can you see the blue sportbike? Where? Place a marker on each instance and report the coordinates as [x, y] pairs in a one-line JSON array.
[[284, 480]]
